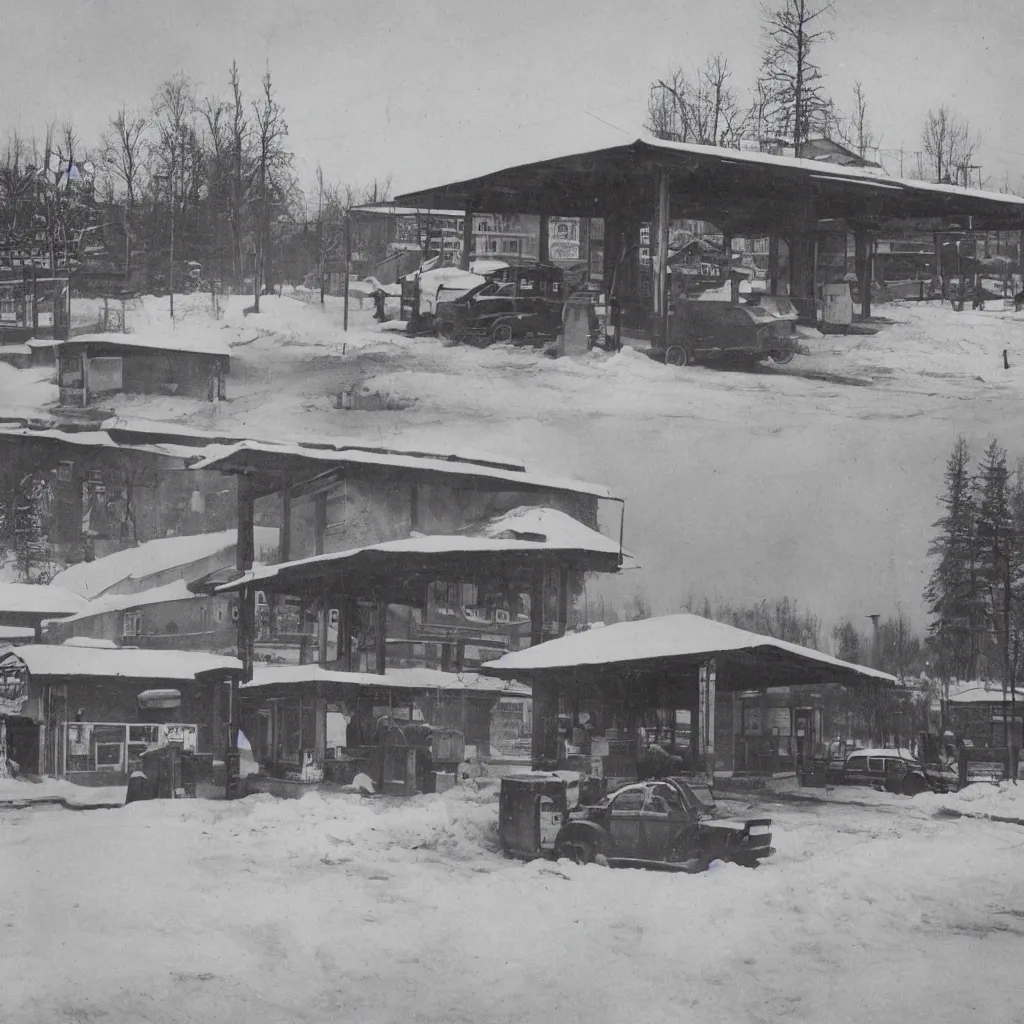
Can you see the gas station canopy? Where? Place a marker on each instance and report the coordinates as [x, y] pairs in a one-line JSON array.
[[738, 191]]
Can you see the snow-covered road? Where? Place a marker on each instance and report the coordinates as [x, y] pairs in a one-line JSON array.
[[338, 908]]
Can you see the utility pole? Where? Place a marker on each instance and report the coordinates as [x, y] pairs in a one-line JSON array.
[[170, 270], [348, 264]]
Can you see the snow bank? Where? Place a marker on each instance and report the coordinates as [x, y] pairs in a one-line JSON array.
[[982, 800], [22, 791]]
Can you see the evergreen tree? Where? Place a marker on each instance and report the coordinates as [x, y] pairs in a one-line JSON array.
[[952, 593], [994, 546]]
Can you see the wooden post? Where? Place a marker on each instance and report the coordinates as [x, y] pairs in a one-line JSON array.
[[467, 237], [661, 284], [244, 556], [563, 602], [773, 264], [542, 241], [380, 634], [284, 542], [325, 616], [865, 287], [537, 609]]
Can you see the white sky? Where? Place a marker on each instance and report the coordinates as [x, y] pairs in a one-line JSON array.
[[430, 92]]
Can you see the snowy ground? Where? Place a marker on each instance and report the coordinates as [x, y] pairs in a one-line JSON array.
[[817, 480], [342, 908]]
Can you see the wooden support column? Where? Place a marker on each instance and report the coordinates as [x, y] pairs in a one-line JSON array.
[[660, 248], [467, 237], [323, 624], [380, 633], [542, 240], [284, 543], [863, 247], [244, 555], [563, 602], [537, 609], [773, 264]]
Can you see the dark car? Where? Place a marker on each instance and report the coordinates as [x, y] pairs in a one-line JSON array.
[[517, 304], [668, 824]]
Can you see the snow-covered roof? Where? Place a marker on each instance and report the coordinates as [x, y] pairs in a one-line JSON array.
[[224, 456], [721, 179], [546, 525], [397, 678], [92, 579], [680, 636], [131, 663], [33, 599], [158, 341], [449, 278], [405, 211], [566, 542], [985, 695], [176, 590]]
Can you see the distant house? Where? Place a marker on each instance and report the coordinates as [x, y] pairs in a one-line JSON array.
[[980, 714], [92, 366], [142, 597]]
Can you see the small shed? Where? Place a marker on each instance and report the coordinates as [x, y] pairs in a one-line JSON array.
[[94, 365], [86, 712]]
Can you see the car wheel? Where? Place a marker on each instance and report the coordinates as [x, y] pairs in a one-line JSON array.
[[445, 330], [783, 357], [913, 785], [677, 355], [502, 333], [579, 851]]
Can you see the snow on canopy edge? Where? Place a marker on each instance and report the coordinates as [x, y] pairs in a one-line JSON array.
[[398, 678], [121, 663], [666, 636], [39, 599]]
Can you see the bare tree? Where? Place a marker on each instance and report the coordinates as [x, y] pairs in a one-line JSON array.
[[377, 191], [797, 105], [702, 109], [333, 204], [271, 131], [122, 152], [855, 131], [949, 147]]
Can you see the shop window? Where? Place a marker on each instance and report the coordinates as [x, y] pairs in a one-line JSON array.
[[752, 721], [132, 624], [510, 245]]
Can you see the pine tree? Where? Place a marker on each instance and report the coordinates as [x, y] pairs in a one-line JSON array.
[[952, 593], [994, 533]]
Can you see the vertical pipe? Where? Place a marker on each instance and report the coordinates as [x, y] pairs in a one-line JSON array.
[[542, 240]]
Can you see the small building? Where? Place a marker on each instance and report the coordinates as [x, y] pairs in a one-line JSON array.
[[86, 711], [983, 715], [603, 697], [296, 716], [90, 367]]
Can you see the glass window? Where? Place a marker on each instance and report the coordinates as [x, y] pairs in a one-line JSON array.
[[630, 800], [876, 764], [667, 796]]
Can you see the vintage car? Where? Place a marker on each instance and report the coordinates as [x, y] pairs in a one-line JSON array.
[[894, 770], [667, 824], [517, 304]]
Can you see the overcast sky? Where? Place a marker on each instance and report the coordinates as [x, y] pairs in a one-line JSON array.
[[434, 91]]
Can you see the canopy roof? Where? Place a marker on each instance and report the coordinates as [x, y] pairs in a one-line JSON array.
[[670, 642], [544, 538], [280, 678], [292, 458], [64, 661], [148, 342], [740, 191], [27, 604]]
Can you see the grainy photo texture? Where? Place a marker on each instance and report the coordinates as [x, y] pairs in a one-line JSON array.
[[511, 513]]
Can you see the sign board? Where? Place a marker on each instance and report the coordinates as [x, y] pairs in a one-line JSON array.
[[564, 250], [13, 689]]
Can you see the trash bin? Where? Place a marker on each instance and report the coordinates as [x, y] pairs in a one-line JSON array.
[[838, 304]]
